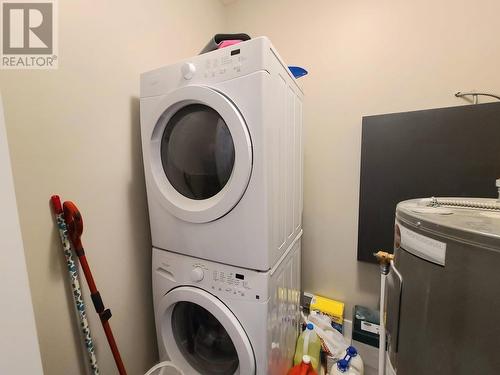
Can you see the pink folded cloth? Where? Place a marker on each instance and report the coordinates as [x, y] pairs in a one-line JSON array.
[[227, 43]]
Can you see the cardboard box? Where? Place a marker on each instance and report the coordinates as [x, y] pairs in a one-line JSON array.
[[334, 309]]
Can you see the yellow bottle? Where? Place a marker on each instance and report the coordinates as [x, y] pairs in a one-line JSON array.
[[309, 344]]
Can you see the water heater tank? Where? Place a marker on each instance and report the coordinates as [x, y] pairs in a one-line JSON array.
[[443, 302]]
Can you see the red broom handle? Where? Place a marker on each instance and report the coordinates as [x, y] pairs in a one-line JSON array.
[[75, 228], [114, 347], [87, 272]]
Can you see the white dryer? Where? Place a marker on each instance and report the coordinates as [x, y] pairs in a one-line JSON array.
[[216, 319], [222, 149]]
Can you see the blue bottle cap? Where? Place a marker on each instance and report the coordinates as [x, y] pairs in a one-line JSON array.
[[310, 326], [343, 365], [351, 350]]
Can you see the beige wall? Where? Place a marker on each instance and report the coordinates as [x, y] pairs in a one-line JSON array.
[[75, 131], [366, 57]]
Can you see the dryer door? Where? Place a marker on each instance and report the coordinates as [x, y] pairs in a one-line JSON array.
[[200, 153], [201, 335]]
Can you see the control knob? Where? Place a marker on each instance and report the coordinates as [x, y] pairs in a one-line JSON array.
[[188, 69], [197, 274]]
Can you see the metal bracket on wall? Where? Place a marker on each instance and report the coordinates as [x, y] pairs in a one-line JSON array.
[[475, 95]]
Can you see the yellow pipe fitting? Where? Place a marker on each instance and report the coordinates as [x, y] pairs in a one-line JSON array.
[[383, 257]]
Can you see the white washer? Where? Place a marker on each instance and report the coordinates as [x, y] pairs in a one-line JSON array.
[[218, 319], [222, 150]]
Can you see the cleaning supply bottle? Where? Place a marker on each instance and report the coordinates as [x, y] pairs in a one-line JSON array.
[[341, 368], [356, 365], [304, 368], [351, 364], [309, 344]]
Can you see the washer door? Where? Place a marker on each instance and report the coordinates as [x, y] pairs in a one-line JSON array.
[[201, 335], [201, 154]]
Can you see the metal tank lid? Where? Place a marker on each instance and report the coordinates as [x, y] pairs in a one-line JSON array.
[[478, 225]]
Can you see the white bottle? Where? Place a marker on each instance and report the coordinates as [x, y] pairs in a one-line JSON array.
[[351, 364]]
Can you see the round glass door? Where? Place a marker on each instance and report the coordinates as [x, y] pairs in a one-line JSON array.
[[201, 154], [203, 341], [197, 152], [202, 336]]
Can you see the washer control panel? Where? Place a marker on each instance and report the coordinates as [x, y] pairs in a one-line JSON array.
[[224, 280], [230, 282], [221, 280]]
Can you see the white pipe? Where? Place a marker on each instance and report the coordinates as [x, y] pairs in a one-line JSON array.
[[381, 345], [164, 365]]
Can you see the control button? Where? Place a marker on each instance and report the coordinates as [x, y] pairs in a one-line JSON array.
[[188, 70], [197, 274]]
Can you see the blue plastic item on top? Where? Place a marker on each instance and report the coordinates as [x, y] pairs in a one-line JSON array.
[[297, 71], [351, 351], [343, 365], [310, 326]]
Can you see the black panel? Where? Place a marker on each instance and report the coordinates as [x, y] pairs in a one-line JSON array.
[[440, 152]]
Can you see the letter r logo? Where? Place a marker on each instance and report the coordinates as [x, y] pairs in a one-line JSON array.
[[27, 28]]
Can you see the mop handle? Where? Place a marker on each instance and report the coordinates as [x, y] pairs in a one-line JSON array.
[[75, 283], [74, 221]]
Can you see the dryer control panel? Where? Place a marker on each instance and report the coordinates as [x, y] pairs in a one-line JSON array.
[[215, 66], [221, 280], [232, 62], [212, 67]]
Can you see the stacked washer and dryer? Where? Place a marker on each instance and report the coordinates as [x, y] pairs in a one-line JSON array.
[[222, 149]]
